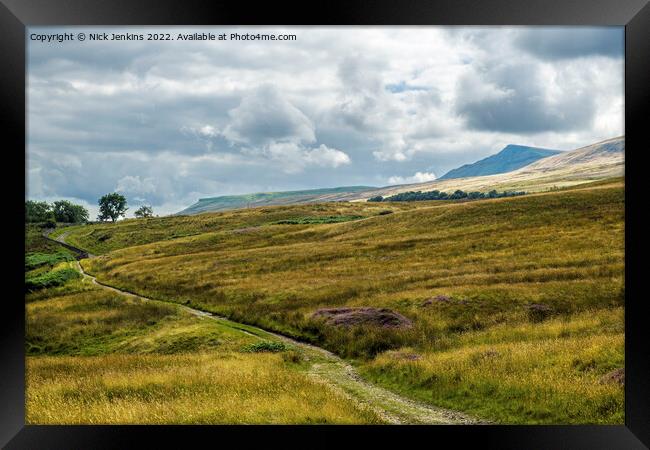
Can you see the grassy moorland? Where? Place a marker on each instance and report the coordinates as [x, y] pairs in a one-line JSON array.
[[181, 388], [528, 373], [516, 303], [96, 356], [102, 238]]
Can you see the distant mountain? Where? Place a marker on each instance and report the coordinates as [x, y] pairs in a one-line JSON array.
[[512, 157], [601, 154], [550, 169], [595, 162], [274, 198]]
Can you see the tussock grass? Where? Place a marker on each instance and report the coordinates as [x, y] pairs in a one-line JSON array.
[[201, 388], [494, 260], [266, 346], [102, 238], [89, 322], [98, 357], [564, 250], [538, 374], [36, 243], [318, 219]]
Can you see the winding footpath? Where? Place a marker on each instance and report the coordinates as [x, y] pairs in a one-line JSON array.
[[324, 367]]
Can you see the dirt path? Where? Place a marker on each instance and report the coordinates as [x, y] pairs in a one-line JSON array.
[[331, 370]]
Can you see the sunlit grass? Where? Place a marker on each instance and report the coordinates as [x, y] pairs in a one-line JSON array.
[[102, 238], [490, 262], [548, 373], [203, 388], [98, 357], [494, 258]]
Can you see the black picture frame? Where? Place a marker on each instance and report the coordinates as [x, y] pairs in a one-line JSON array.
[[16, 15]]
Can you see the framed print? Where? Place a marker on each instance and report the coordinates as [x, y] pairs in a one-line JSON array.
[[387, 221]]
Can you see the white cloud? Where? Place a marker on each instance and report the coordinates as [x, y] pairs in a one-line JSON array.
[[208, 131], [327, 157], [135, 185], [294, 158], [419, 177]]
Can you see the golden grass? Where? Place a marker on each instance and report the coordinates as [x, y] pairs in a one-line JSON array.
[[545, 373], [491, 258], [102, 238], [203, 388], [121, 360], [564, 249]]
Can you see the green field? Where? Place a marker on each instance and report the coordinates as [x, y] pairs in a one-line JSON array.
[[516, 303], [272, 198], [102, 238], [99, 357]]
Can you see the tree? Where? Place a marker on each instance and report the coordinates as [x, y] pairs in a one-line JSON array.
[[458, 194], [37, 211], [144, 211], [112, 206], [68, 212]]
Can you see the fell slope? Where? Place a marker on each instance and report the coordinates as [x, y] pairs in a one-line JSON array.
[[512, 157], [594, 162], [543, 169], [105, 237], [470, 276], [222, 203]]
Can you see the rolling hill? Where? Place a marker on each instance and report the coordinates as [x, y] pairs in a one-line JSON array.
[[273, 198], [594, 162], [498, 292], [512, 157]]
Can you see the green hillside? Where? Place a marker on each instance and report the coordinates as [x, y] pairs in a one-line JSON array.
[[270, 198], [502, 293], [600, 161], [512, 157]]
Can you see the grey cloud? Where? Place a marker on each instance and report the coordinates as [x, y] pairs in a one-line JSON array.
[[566, 43], [513, 100], [265, 117], [364, 104], [63, 116], [169, 122]]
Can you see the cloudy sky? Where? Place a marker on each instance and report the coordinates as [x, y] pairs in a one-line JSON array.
[[166, 123]]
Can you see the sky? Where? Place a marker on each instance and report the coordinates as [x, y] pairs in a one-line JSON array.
[[168, 122]]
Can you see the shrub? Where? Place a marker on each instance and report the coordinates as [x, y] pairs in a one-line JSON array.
[[49, 223], [292, 356], [316, 220], [365, 341], [265, 346], [34, 260], [51, 279], [411, 196], [538, 312]]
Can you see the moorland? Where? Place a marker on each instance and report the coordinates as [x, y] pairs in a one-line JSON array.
[[510, 311]]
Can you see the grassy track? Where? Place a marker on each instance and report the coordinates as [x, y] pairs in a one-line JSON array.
[[371, 404], [517, 303], [97, 356]]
